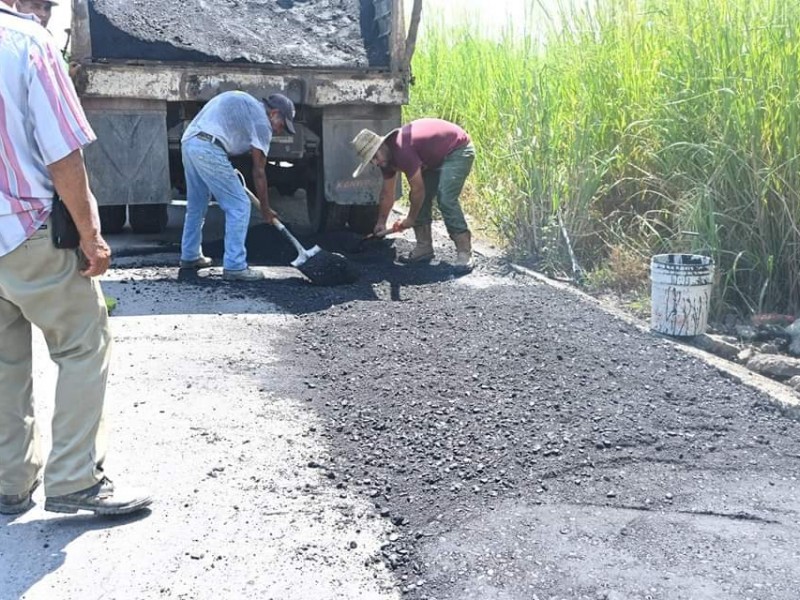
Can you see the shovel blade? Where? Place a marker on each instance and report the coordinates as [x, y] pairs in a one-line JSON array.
[[302, 257]]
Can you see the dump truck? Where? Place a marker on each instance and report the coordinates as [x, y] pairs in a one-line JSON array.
[[144, 69]]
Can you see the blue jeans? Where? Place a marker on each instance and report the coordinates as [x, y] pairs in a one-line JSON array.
[[209, 173]]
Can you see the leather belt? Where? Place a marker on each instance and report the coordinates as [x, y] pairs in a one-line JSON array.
[[210, 138]]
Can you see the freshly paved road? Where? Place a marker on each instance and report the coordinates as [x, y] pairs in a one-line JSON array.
[[417, 434]]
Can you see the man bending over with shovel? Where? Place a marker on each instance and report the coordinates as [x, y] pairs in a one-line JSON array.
[[231, 124], [436, 157]]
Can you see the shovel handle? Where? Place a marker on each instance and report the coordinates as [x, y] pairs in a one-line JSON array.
[[288, 235], [253, 199], [278, 225], [395, 227]]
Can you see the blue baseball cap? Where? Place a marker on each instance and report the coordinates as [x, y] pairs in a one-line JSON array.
[[284, 106]]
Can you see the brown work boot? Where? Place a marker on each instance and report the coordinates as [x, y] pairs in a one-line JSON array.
[[101, 499], [463, 243], [423, 251], [199, 263], [247, 274], [14, 504]]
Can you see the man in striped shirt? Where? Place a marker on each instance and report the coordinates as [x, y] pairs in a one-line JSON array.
[[43, 9], [42, 132]]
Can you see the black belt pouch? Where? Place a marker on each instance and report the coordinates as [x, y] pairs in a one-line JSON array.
[[65, 234]]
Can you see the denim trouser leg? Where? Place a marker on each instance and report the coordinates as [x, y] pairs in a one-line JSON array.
[[212, 171], [453, 173], [197, 196]]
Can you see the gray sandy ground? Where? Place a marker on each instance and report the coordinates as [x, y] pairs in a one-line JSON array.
[[419, 434], [196, 416]]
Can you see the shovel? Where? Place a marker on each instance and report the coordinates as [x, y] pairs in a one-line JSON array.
[[373, 237], [320, 266], [303, 254]]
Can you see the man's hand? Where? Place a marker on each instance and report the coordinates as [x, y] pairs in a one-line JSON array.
[[268, 214], [380, 227], [406, 223], [260, 182], [71, 183], [98, 255]]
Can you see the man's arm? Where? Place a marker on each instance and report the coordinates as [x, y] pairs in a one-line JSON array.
[[60, 130], [72, 185], [385, 203], [260, 181], [416, 196]]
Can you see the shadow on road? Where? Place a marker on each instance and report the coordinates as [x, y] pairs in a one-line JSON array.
[[39, 546], [381, 278]]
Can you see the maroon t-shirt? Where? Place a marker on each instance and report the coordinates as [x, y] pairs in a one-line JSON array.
[[423, 144]]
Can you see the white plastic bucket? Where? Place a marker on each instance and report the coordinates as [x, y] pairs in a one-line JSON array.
[[680, 293]]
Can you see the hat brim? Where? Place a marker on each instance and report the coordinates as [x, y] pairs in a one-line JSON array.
[[366, 161], [289, 125]]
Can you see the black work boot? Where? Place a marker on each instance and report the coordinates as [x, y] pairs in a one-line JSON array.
[[101, 499], [15, 504]]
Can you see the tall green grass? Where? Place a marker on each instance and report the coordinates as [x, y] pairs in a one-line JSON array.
[[648, 126]]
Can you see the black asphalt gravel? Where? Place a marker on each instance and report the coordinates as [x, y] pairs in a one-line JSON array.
[[526, 445], [297, 33]]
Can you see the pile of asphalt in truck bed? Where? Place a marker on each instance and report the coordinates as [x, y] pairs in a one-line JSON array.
[[302, 33]]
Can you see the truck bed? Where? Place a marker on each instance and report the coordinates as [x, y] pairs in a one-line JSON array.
[[287, 33]]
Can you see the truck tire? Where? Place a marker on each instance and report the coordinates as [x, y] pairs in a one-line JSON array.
[[112, 218], [363, 218], [310, 178], [148, 218], [315, 194], [336, 216]]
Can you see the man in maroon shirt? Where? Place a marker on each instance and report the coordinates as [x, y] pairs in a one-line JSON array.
[[436, 157]]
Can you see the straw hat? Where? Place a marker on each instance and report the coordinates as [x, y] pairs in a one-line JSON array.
[[366, 145]]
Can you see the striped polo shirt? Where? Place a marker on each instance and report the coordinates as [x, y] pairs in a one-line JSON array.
[[41, 122]]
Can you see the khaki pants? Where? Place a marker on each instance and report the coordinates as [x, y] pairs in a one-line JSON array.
[[40, 284]]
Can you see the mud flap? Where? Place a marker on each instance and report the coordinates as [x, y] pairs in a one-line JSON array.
[[339, 126], [129, 162]]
